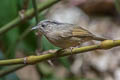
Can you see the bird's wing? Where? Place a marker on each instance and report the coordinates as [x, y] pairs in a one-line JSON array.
[[71, 31], [81, 32], [78, 32], [63, 33]]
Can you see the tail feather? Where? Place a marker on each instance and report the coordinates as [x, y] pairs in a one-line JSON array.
[[99, 38]]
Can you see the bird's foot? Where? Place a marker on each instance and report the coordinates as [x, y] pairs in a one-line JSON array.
[[60, 51]]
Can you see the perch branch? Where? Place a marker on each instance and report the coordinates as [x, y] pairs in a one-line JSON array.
[[107, 44]]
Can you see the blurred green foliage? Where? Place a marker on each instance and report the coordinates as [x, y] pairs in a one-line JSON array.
[[10, 40], [9, 11], [117, 4]]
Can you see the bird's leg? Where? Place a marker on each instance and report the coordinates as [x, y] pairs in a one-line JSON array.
[[59, 51], [71, 48], [62, 50]]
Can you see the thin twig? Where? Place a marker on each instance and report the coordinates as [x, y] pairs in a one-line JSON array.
[[25, 4], [36, 11], [24, 8], [11, 69]]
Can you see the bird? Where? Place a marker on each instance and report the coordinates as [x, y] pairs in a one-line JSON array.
[[65, 35]]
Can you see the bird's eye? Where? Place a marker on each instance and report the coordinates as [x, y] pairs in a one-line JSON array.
[[43, 25]]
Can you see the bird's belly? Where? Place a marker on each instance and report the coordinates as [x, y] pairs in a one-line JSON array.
[[64, 43]]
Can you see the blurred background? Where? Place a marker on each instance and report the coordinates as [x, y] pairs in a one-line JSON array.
[[101, 17]]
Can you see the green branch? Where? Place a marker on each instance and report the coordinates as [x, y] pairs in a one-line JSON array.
[[107, 44], [28, 15], [35, 10]]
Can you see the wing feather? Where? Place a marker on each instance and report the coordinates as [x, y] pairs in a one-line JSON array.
[[81, 32]]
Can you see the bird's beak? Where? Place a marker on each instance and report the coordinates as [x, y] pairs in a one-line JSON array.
[[36, 27]]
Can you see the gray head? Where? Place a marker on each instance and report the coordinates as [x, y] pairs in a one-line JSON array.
[[47, 25]]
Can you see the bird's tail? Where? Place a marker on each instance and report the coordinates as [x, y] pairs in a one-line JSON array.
[[99, 38]]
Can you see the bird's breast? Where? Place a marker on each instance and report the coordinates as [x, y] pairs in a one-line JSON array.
[[62, 42]]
